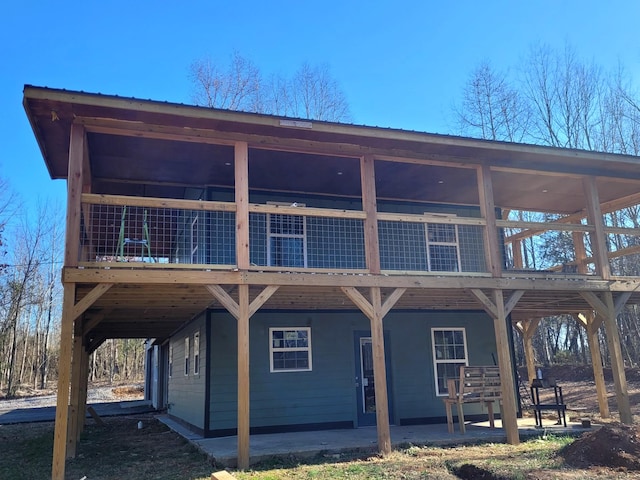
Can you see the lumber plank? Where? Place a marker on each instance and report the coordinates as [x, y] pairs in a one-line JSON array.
[[241, 171]]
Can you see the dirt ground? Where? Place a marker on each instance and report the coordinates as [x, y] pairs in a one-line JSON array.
[[614, 447]]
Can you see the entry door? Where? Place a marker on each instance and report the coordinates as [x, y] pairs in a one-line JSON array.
[[365, 382]]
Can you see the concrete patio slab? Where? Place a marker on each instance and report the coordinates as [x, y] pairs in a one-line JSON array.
[[223, 450]]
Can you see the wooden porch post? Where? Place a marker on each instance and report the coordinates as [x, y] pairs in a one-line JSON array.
[[243, 377], [608, 309], [380, 374], [488, 210], [369, 205], [528, 328], [84, 380], [64, 381], [598, 237], [77, 158], [617, 362], [499, 311], [242, 312], [509, 422], [591, 323], [375, 311], [242, 260], [74, 402]]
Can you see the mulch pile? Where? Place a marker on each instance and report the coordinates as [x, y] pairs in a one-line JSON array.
[[613, 445]]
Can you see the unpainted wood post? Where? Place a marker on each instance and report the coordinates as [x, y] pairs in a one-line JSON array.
[[74, 403], [241, 169], [369, 205], [64, 381], [596, 363], [617, 362], [488, 210], [380, 374], [243, 377], [84, 380], [509, 420]]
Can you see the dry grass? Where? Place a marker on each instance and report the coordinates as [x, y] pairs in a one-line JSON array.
[[119, 450]]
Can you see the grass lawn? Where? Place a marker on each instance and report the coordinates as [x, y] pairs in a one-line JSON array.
[[120, 451]]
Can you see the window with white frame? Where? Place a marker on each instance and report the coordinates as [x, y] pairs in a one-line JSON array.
[[196, 353], [449, 354], [286, 240], [170, 360], [187, 356], [443, 247], [290, 349]]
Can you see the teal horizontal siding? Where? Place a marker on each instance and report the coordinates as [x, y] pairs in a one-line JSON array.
[[327, 394]]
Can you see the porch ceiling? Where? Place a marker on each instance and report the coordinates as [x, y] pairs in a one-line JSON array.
[[140, 162], [135, 310]]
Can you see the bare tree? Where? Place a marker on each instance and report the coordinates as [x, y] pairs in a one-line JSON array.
[[491, 107], [556, 98], [312, 93]]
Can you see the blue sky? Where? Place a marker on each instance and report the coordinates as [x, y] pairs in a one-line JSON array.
[[401, 64]]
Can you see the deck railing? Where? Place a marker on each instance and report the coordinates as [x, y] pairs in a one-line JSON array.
[[166, 233]]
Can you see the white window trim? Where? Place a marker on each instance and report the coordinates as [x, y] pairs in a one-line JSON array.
[[303, 349], [437, 362], [303, 236], [170, 361], [187, 356], [449, 244], [196, 353]]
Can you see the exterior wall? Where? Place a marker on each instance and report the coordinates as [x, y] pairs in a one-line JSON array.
[[326, 396], [186, 393]]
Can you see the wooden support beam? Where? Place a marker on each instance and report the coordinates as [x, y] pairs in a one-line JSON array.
[[74, 194], [241, 171], [588, 321], [513, 301], [596, 303], [486, 302], [598, 237], [509, 413], [261, 298], [84, 380], [243, 377], [95, 344], [92, 322], [391, 300], [95, 416], [380, 374], [528, 329], [64, 381], [375, 312], [74, 401], [225, 299], [369, 205], [516, 251], [617, 362], [359, 300], [488, 211], [89, 299], [496, 309]]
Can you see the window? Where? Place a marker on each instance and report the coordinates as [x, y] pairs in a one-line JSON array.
[[449, 354], [286, 240], [170, 361], [196, 353], [290, 349], [442, 247], [187, 356]]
